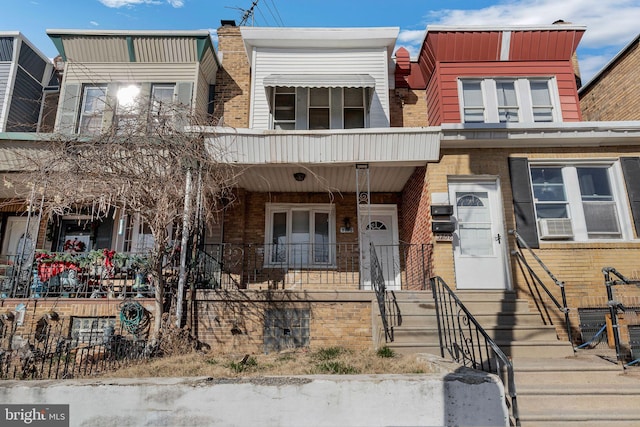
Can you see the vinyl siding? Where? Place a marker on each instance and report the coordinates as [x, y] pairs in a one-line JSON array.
[[448, 74], [326, 61], [129, 72]]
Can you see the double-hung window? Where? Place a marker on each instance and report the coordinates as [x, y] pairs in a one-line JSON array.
[[162, 105], [92, 109], [319, 108], [299, 235], [578, 201], [508, 100], [354, 108], [284, 108], [128, 110]]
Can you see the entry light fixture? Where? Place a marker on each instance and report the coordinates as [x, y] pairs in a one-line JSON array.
[[299, 176]]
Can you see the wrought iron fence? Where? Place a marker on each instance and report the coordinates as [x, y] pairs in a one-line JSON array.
[[50, 347], [612, 279], [95, 274], [466, 342], [308, 265]]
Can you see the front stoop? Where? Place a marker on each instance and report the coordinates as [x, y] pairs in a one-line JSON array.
[[585, 390], [518, 332]]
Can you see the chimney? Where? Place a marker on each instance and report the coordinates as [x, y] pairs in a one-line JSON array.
[[233, 82]]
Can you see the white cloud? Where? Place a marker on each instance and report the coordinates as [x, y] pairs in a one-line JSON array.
[[94, 23], [129, 3], [610, 23]]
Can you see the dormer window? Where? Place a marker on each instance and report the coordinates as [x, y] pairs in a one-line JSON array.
[[508, 100]]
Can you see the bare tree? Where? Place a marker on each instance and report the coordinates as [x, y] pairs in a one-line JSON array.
[[147, 162]]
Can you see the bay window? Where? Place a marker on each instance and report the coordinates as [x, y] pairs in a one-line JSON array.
[[299, 235]]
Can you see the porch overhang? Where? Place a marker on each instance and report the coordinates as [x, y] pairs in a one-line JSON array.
[[380, 146], [530, 135]]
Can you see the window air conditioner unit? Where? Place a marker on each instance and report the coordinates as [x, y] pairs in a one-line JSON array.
[[555, 228]]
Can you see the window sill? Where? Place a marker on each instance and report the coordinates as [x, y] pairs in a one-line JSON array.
[[603, 244]]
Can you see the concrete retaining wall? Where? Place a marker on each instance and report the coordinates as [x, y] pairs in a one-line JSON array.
[[464, 398]]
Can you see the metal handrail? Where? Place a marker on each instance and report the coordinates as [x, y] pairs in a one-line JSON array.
[[377, 280], [614, 305], [468, 343], [562, 307]]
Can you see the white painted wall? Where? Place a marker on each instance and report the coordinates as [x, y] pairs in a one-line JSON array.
[[469, 399], [370, 61]]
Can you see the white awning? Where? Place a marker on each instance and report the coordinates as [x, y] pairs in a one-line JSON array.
[[320, 80]]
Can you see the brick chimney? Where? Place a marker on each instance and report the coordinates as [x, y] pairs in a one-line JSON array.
[[233, 82]]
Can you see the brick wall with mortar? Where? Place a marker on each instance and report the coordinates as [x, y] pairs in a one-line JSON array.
[[408, 108], [616, 93], [577, 264], [66, 308], [233, 82], [233, 322]]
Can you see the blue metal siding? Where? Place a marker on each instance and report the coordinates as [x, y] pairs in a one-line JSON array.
[[32, 62], [24, 110], [6, 49]]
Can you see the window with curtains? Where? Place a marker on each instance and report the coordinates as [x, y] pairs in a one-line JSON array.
[[299, 235], [509, 100]]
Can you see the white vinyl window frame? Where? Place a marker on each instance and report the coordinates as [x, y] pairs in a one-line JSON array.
[[284, 114], [526, 108], [575, 201], [274, 256], [92, 109]]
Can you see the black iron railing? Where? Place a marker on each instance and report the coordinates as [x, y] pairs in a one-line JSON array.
[[52, 347], [379, 286], [300, 266], [562, 307], [466, 342], [612, 278], [95, 274]]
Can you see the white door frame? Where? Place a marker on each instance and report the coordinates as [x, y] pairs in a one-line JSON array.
[[392, 283], [478, 272]]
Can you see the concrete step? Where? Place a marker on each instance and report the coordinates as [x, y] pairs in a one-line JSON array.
[[497, 333], [538, 349], [585, 418]]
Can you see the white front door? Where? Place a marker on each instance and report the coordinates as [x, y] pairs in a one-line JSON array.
[[381, 229], [479, 241]]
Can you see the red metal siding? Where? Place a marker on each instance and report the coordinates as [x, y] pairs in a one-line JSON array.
[[556, 45], [434, 100], [448, 73]]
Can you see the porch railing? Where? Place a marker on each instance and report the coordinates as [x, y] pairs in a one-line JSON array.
[[80, 275], [466, 342], [298, 266], [563, 308], [612, 278], [379, 286]]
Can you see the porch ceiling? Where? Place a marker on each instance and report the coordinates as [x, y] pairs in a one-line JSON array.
[[322, 178]]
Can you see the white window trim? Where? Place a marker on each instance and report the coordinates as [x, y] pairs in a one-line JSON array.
[[272, 108], [272, 208], [574, 198], [523, 96], [83, 99]]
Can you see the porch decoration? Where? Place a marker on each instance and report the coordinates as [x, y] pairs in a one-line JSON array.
[[74, 246]]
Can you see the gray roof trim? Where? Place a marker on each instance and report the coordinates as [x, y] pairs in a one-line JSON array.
[[319, 80]]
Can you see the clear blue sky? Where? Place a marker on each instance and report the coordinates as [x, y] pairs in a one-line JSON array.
[[611, 24]]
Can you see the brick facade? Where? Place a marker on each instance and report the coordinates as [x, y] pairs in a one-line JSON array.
[[234, 321], [578, 265], [408, 108], [233, 82], [615, 94]]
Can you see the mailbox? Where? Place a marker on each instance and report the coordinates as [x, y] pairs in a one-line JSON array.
[[440, 210], [443, 227]]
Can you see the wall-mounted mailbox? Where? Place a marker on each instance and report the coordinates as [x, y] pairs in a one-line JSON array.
[[439, 210], [443, 227]]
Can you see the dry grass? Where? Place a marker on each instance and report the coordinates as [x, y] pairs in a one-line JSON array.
[[333, 360]]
